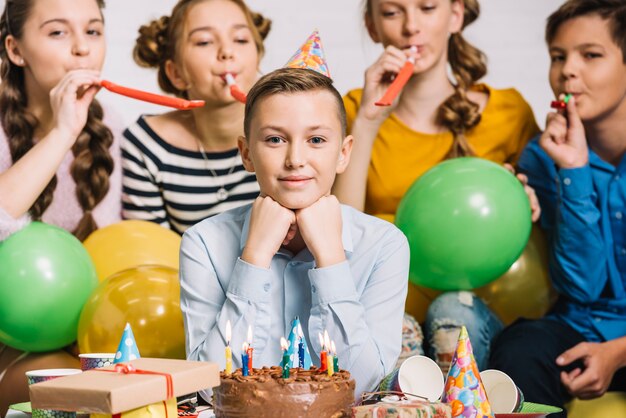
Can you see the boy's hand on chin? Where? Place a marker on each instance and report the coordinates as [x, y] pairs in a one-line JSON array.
[[320, 226], [270, 225], [564, 139]]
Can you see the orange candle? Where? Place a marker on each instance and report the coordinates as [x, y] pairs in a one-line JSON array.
[[329, 358], [323, 355]]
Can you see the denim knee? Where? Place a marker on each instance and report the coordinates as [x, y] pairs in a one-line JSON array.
[[447, 313]]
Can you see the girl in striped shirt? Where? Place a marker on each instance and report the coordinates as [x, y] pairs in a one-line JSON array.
[[183, 166]]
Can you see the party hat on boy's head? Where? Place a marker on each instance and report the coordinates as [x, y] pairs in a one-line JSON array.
[[310, 56], [127, 349], [464, 390], [295, 336]]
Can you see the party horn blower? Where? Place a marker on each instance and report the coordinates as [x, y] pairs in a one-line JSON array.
[[561, 104], [158, 99], [464, 390], [237, 94], [398, 83]]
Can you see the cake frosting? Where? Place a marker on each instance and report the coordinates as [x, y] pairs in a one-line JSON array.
[[264, 393]]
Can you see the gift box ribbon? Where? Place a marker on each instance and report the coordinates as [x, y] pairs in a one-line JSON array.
[[130, 369]]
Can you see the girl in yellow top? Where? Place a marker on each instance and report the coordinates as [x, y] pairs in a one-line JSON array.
[[433, 119]]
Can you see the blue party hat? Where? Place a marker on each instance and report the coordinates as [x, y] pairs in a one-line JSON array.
[[295, 336], [127, 349]]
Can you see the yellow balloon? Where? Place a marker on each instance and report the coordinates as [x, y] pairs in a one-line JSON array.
[[147, 297], [418, 299], [525, 289], [132, 243]]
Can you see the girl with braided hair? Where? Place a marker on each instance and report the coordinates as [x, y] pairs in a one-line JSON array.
[[183, 166], [442, 112], [57, 155], [59, 162]]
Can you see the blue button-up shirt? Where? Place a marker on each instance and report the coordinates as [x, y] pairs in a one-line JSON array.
[[359, 301], [583, 212]]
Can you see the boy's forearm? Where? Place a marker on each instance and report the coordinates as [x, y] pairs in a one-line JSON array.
[[578, 244]]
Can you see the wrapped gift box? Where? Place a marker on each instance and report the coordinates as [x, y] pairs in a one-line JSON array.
[[404, 409], [112, 390]]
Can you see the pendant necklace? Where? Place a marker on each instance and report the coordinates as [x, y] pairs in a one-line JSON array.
[[221, 194]]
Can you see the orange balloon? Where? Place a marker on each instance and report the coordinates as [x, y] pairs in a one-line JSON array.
[[130, 244], [525, 289], [147, 297]]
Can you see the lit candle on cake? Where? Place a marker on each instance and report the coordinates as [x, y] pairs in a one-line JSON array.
[[329, 358], [323, 354], [284, 345], [244, 359], [335, 359], [300, 347], [228, 352], [250, 349]]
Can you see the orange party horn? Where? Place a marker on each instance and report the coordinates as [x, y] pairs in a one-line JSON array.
[[237, 94], [397, 84], [174, 102]]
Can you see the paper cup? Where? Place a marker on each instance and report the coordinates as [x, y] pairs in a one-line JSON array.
[[37, 376], [504, 396], [417, 375], [90, 361]]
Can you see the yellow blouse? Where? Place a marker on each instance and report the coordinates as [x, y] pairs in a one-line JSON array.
[[401, 155]]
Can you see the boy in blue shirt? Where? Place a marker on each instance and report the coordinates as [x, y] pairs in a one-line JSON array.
[[296, 251], [578, 170]]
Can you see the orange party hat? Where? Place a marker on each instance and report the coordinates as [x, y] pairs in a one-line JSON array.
[[310, 55], [464, 390]]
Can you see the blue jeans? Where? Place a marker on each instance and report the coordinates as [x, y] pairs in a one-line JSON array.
[[446, 314]]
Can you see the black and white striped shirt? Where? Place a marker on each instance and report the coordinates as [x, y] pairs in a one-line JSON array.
[[174, 187]]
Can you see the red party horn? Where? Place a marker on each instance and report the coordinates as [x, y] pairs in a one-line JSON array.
[[397, 84], [237, 94], [174, 102], [561, 104], [557, 104]]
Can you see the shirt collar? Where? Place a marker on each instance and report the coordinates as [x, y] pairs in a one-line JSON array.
[[346, 229]]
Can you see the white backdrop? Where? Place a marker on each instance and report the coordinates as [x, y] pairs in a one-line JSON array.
[[510, 32]]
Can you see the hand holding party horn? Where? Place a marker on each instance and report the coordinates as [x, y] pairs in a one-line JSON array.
[[398, 83], [237, 94], [174, 102]]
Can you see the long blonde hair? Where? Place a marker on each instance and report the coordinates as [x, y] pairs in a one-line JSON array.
[[468, 65]]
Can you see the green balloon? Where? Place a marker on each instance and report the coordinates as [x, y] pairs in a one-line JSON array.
[[467, 220], [46, 276]]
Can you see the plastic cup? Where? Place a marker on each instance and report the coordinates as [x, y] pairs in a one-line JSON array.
[[503, 394], [417, 375], [90, 361], [42, 375]]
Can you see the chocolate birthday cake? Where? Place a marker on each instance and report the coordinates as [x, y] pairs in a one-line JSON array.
[[264, 393]]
